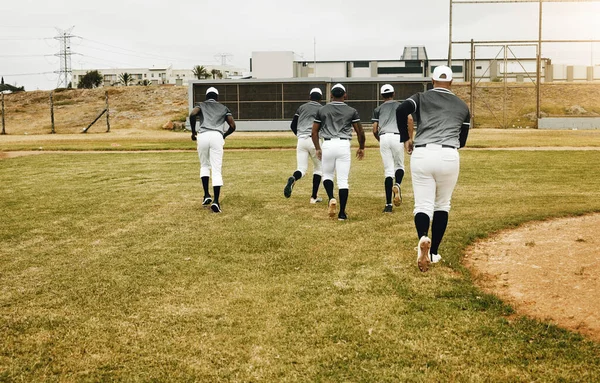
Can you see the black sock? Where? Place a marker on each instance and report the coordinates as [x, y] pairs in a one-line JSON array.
[[343, 200], [389, 182], [297, 175], [217, 190], [205, 186], [422, 224], [438, 228], [328, 185], [399, 176], [316, 183]]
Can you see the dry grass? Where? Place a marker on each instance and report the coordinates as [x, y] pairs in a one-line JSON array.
[[149, 108]]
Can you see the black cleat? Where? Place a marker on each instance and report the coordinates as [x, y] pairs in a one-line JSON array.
[[287, 190], [387, 209], [207, 201], [342, 216], [215, 207]]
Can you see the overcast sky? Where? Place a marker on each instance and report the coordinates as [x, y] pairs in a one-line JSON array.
[[130, 34]]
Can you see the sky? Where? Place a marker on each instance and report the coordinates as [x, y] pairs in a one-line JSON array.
[[182, 33]]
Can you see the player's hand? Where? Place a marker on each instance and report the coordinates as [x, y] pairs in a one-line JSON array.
[[193, 136], [319, 154], [360, 154], [409, 146]]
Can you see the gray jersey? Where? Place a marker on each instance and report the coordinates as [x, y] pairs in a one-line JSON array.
[[306, 116], [385, 116], [440, 114], [336, 120], [213, 116]]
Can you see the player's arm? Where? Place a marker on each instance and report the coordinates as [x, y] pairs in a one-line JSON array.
[[376, 130], [193, 116], [231, 124], [315, 138], [294, 125], [360, 134], [464, 131], [402, 113], [409, 145]]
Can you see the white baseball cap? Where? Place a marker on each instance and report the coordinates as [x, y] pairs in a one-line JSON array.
[[212, 89], [315, 90], [387, 88], [441, 70], [338, 86]]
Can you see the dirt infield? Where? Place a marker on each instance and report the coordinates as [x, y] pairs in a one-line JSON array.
[[547, 270]]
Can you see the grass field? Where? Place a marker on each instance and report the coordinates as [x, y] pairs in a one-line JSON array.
[[111, 270]]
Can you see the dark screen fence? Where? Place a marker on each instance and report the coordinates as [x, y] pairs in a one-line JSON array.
[[255, 100]]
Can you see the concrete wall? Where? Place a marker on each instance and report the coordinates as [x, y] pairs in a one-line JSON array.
[[273, 64], [569, 123]]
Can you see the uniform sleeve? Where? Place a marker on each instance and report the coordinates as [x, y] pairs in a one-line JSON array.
[[407, 107], [355, 116], [375, 115], [464, 130], [318, 116], [227, 112]]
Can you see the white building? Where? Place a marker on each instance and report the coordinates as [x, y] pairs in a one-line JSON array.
[[158, 76]]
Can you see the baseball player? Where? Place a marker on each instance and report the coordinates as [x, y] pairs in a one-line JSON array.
[[210, 139], [302, 127], [333, 123], [385, 130], [443, 122]]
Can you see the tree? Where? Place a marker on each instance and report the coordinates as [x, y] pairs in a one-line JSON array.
[[90, 80], [2, 83], [126, 79], [216, 73], [200, 72]]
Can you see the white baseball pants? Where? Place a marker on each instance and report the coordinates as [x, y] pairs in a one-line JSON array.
[[434, 173], [392, 153], [210, 151], [304, 150], [336, 159]]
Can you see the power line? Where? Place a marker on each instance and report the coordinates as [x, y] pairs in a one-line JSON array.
[[26, 74]]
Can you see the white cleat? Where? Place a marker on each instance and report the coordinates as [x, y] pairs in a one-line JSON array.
[[423, 257], [435, 258], [316, 200], [397, 194]]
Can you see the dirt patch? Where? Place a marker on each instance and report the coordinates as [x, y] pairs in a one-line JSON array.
[[547, 270]]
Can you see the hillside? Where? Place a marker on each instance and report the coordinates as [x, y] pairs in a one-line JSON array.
[[151, 107]]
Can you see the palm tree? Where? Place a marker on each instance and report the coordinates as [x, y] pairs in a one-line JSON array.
[[126, 79], [200, 72], [216, 73]]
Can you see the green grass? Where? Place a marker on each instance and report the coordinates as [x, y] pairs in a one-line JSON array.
[[111, 270], [162, 140]]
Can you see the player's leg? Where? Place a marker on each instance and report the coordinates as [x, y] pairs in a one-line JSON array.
[[398, 155], [202, 146], [388, 169], [302, 165], [422, 165], [216, 163], [317, 174], [328, 164], [446, 177], [342, 166]]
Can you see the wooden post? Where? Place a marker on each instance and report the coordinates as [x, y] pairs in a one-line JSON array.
[[107, 112], [52, 112], [3, 131]]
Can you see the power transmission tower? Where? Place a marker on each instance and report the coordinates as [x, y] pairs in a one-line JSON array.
[[64, 55], [224, 58]]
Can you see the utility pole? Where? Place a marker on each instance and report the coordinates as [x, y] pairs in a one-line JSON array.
[[64, 55]]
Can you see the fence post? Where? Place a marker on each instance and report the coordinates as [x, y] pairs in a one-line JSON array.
[[3, 131], [52, 111], [107, 112]]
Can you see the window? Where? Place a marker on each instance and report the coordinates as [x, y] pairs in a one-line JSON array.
[[478, 67], [414, 53], [361, 64], [399, 69], [152, 74]]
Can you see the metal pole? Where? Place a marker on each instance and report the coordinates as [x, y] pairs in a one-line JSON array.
[[472, 79], [539, 65], [3, 131], [107, 112], [52, 113], [504, 122], [450, 37]]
